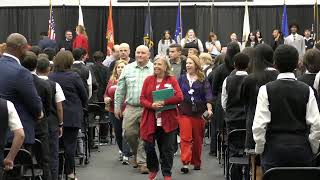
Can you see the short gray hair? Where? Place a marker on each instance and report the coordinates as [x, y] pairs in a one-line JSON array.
[[16, 40]]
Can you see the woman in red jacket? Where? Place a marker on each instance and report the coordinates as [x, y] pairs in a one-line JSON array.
[[81, 41], [159, 126]]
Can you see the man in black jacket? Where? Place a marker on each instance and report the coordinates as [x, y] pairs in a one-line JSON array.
[[41, 131], [66, 45]]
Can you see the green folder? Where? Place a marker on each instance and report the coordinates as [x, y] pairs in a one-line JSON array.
[[161, 95]]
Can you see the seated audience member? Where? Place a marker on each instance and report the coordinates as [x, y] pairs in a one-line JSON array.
[[124, 50], [277, 39], [259, 36], [9, 120], [2, 48], [197, 100], [311, 61], [177, 62], [213, 45], [55, 117], [309, 41], [262, 72], [160, 126], [164, 43], [36, 50], [233, 106], [44, 91], [252, 40], [66, 45], [115, 55], [21, 92], [193, 51], [46, 42], [191, 41], [76, 99], [206, 63], [278, 106]]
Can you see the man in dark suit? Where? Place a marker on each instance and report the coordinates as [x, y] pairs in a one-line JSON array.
[[45, 42], [66, 45], [16, 85], [44, 90]]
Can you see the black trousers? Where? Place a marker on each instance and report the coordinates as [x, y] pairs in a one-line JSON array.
[[122, 143], [166, 144], [54, 152], [70, 135], [45, 163]]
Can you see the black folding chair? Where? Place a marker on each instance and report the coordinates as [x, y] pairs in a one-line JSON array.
[[292, 173], [236, 139], [25, 165], [96, 112], [105, 120], [317, 160]]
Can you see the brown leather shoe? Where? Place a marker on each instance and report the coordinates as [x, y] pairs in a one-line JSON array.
[[144, 169], [134, 163]]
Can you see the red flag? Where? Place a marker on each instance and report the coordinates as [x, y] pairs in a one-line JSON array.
[[110, 34]]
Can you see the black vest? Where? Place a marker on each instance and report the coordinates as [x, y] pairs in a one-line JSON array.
[[234, 108], [83, 72], [53, 117], [287, 103], [3, 127], [192, 44]]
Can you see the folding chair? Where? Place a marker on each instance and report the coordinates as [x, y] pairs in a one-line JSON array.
[[105, 119], [292, 173], [236, 138], [96, 111], [25, 165], [317, 160]]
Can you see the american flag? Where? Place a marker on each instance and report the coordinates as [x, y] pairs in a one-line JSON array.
[[52, 26]]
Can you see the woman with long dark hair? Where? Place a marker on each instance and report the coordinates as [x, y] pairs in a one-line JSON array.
[[164, 43], [259, 36], [252, 40]]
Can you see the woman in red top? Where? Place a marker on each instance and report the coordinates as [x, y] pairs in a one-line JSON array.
[[124, 148], [159, 126], [81, 41]]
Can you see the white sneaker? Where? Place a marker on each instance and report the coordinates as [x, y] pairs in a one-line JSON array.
[[120, 156], [125, 160]]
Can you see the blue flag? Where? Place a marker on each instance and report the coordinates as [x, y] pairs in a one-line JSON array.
[[178, 33], [284, 24], [148, 33]]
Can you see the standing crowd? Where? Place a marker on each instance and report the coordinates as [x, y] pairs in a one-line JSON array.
[[167, 102]]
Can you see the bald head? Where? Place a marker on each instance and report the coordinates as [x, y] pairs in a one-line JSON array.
[[17, 45], [142, 55], [16, 40], [116, 52], [124, 50]]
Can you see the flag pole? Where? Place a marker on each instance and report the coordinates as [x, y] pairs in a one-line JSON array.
[[50, 18], [212, 16], [180, 34], [316, 16]]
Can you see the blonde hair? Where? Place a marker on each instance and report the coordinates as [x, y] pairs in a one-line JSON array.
[[206, 57], [3, 47], [195, 36], [199, 71], [114, 75], [168, 71], [82, 30]]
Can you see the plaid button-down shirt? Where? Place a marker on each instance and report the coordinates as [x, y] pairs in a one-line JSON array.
[[130, 84]]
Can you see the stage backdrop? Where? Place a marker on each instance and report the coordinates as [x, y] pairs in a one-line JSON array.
[[129, 21]]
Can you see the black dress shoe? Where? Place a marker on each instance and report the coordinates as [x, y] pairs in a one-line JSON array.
[[197, 168], [185, 170]]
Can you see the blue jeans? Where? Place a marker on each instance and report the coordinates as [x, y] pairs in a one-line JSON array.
[[121, 141]]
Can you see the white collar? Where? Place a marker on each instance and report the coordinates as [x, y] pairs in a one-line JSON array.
[[43, 77], [287, 75], [12, 56], [307, 38], [307, 72], [270, 69], [34, 73], [241, 73], [78, 62]]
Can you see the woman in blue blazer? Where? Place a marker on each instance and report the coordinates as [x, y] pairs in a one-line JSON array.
[[76, 100]]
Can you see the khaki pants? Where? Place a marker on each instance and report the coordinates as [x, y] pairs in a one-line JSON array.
[[131, 127]]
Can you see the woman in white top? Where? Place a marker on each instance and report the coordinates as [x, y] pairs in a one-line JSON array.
[[164, 43], [213, 45], [234, 38], [191, 41]]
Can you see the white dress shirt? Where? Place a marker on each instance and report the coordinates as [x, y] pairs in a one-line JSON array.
[[59, 96], [316, 82], [224, 94], [263, 117], [14, 120]]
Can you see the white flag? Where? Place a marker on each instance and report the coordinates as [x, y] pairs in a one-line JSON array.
[[246, 25], [80, 22]]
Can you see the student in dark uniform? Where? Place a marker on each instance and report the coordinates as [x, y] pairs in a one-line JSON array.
[[262, 73], [278, 106], [221, 72], [309, 41], [231, 103]]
